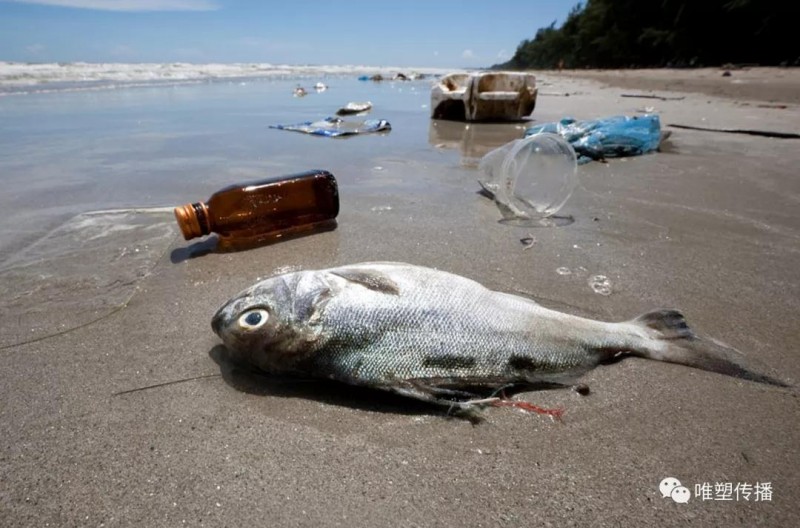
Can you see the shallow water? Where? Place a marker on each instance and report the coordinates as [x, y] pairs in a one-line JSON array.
[[81, 272], [66, 153]]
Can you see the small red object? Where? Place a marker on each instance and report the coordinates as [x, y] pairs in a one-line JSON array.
[[556, 414]]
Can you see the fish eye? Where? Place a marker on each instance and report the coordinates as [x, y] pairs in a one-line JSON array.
[[252, 319]]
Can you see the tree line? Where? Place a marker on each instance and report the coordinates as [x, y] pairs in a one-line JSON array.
[[677, 33]]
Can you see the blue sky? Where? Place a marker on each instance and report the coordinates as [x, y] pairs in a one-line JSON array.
[[436, 33]]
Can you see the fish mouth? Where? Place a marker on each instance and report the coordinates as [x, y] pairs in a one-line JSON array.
[[218, 321]]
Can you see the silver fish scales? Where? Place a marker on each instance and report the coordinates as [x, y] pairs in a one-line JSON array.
[[439, 337]]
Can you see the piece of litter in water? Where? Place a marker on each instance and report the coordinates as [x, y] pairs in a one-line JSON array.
[[600, 284], [563, 271], [336, 127], [355, 108]]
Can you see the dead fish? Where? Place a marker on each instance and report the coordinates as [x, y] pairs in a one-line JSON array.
[[440, 337]]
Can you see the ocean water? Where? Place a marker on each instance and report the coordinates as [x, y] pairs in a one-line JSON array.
[[91, 169], [82, 147]]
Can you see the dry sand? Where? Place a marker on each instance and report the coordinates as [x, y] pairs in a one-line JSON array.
[[709, 225], [777, 85]]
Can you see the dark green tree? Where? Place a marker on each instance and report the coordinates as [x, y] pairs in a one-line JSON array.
[[646, 33]]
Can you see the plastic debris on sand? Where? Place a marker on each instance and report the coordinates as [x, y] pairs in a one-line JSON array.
[[609, 137]]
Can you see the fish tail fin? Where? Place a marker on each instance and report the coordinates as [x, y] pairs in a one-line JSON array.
[[675, 342]]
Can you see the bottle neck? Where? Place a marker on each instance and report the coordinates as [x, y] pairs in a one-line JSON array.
[[193, 219]]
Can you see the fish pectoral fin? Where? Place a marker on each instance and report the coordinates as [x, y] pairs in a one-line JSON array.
[[440, 391], [410, 391], [309, 306], [457, 402], [370, 279]]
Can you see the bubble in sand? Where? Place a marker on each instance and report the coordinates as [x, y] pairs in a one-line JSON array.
[[563, 271], [600, 284]]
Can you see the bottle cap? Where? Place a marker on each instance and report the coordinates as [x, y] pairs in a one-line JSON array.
[[188, 217]]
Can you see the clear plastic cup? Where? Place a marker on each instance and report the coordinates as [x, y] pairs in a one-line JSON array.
[[531, 179]]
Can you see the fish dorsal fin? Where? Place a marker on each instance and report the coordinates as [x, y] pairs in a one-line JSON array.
[[371, 279]]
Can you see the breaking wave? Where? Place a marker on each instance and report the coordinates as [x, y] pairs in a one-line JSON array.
[[23, 78]]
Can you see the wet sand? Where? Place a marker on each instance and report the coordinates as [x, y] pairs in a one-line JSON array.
[[709, 226]]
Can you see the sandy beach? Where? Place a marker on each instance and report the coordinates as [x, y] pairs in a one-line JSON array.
[[100, 295], [777, 85]]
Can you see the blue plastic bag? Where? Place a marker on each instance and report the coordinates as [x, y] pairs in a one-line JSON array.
[[609, 137]]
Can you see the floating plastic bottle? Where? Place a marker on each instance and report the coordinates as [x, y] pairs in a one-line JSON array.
[[248, 214], [531, 179]]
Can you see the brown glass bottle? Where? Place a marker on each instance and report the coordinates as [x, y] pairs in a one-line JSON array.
[[248, 214]]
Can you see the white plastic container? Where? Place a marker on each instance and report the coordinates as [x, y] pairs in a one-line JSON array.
[[484, 96]]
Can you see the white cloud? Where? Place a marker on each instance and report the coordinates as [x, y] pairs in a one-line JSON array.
[[467, 54], [130, 5]]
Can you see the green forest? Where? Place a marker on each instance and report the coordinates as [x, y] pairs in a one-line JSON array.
[[674, 33]]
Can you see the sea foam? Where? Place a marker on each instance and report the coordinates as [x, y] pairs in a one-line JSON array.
[[18, 78]]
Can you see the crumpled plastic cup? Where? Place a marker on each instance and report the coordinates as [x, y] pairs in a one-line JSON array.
[[531, 179]]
